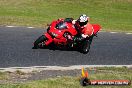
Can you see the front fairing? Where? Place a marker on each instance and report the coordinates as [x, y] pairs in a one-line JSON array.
[[54, 32], [57, 30]]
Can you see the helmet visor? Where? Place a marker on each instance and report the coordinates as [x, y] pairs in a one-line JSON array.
[[83, 23]]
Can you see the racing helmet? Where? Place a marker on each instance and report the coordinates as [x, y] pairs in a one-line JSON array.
[[83, 20]]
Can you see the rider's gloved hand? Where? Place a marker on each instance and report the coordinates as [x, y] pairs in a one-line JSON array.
[[78, 39], [74, 21], [84, 36]]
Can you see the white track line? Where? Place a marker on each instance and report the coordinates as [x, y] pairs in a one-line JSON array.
[[41, 68], [30, 27], [99, 31], [18, 26], [113, 32], [10, 26], [128, 33]]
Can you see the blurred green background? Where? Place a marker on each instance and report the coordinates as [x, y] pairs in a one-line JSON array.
[[112, 15]]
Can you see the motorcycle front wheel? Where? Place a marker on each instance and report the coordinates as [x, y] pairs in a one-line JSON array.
[[39, 42]]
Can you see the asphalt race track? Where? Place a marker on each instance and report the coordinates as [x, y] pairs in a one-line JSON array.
[[16, 50]]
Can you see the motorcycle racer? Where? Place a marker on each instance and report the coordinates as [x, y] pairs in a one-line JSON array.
[[83, 27], [75, 34]]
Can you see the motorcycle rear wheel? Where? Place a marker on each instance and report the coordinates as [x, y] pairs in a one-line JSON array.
[[85, 47], [39, 42]]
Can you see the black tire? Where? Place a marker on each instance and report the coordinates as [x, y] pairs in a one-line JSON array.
[[85, 46], [39, 42]]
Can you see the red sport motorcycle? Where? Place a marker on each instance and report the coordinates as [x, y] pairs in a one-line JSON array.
[[61, 33]]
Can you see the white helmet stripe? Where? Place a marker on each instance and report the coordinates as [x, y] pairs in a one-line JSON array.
[[83, 18]]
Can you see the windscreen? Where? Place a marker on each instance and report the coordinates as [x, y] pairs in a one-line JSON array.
[[61, 25]]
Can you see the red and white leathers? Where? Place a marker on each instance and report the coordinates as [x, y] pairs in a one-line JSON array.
[[86, 30]]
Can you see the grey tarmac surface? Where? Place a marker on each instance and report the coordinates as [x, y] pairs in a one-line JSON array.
[[16, 50]]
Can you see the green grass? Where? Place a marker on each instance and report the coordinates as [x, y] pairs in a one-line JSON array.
[[73, 82], [113, 15]]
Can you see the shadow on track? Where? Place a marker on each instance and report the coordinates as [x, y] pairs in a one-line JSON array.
[[60, 48]]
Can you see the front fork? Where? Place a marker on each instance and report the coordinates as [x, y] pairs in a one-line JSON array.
[[49, 39]]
